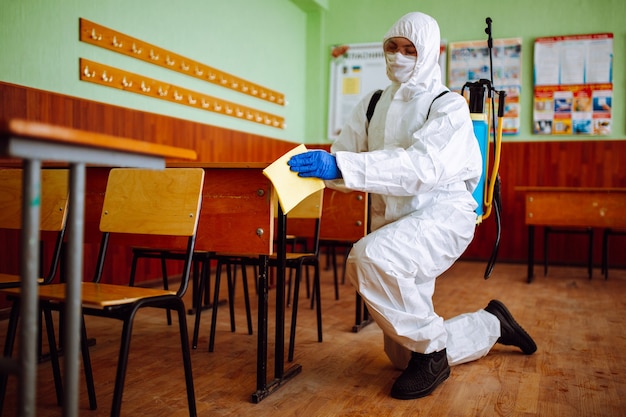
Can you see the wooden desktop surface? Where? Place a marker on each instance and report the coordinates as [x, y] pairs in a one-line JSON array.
[[575, 207], [50, 133]]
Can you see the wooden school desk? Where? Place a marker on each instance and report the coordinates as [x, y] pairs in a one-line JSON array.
[[238, 216], [571, 207], [34, 142]]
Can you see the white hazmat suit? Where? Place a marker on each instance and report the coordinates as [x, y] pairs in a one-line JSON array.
[[420, 173]]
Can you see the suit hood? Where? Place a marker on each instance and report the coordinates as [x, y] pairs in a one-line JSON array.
[[423, 31]]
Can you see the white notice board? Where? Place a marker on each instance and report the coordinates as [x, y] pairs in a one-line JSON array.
[[360, 70], [354, 74]]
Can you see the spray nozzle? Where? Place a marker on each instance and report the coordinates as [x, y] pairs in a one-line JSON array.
[[488, 32], [501, 97]]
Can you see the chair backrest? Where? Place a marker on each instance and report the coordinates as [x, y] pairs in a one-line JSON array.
[[309, 208], [53, 208], [304, 220], [143, 201], [54, 199], [152, 202]]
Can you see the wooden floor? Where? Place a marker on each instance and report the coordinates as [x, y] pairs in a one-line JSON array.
[[579, 368]]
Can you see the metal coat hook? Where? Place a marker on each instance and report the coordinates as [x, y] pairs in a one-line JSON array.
[[95, 36], [122, 43], [101, 74], [87, 73]]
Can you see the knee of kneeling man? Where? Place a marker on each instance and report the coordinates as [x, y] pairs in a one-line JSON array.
[[362, 257]]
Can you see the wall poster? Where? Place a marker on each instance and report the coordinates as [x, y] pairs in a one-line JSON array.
[[573, 85], [469, 62], [355, 71]]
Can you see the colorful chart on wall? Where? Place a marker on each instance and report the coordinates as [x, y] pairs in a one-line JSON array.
[[355, 71], [470, 62], [573, 85]]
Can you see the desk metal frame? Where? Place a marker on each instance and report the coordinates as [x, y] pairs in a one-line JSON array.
[[238, 206], [281, 376], [33, 148]]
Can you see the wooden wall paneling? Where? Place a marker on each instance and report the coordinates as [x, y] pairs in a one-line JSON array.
[[593, 163], [213, 144]]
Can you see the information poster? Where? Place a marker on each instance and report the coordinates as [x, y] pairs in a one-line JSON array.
[[470, 62], [355, 71], [573, 85]]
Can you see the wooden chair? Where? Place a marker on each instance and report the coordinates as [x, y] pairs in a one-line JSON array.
[[54, 198], [310, 208], [141, 202], [53, 218]]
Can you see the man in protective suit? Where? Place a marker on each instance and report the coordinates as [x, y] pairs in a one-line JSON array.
[[420, 161]]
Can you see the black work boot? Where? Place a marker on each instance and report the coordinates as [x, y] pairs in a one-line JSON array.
[[422, 375], [511, 333]]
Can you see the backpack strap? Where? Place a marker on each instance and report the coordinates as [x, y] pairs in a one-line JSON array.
[[376, 97], [431, 104], [372, 105]]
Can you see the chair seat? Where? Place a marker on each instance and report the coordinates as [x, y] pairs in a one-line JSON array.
[[10, 279], [96, 295], [170, 253], [274, 256]]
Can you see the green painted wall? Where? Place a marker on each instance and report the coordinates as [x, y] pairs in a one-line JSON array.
[[281, 44], [356, 21], [261, 41]]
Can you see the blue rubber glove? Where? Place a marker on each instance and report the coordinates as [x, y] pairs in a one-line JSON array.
[[316, 163]]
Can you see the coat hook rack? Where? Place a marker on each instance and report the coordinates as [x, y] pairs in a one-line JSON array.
[[112, 40], [108, 76]]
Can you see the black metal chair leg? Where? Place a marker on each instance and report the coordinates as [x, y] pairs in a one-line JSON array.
[[122, 363], [8, 349], [246, 295], [202, 280], [91, 388], [317, 291], [294, 314], [165, 285], [54, 356], [590, 254], [184, 341], [216, 296], [231, 293]]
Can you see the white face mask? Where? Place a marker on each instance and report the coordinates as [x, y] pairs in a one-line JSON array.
[[399, 66]]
